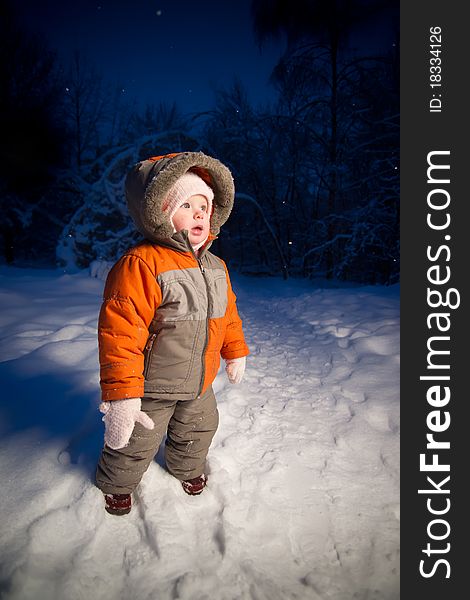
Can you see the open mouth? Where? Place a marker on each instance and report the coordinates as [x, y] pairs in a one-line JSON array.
[[196, 230]]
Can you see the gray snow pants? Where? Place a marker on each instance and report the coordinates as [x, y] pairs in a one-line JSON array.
[[189, 425]]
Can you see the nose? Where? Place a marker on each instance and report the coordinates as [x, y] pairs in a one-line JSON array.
[[199, 213]]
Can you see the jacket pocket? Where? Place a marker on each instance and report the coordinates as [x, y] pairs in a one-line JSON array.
[[219, 294], [173, 360], [180, 298], [148, 353]]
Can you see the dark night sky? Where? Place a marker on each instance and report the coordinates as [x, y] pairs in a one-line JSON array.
[[157, 50]]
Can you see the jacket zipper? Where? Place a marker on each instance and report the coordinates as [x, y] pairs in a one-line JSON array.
[[203, 272], [148, 352], [203, 370]]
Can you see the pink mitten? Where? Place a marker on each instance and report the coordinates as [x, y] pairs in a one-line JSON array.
[[235, 367], [120, 417]]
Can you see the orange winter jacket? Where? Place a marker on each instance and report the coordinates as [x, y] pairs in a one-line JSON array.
[[166, 319]]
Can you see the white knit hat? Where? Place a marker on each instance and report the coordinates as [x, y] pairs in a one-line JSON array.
[[186, 186]]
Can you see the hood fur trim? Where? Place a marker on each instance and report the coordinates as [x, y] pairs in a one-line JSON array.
[[149, 182]]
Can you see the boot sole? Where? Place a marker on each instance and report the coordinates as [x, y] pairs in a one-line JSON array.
[[193, 493], [117, 512]]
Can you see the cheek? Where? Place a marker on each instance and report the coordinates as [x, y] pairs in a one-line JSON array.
[[179, 221]]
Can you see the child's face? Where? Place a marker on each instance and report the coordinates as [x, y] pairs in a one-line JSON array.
[[193, 215]]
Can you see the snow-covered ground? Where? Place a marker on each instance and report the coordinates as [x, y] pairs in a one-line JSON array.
[[303, 494]]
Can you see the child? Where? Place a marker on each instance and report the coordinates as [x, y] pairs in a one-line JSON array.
[[168, 314]]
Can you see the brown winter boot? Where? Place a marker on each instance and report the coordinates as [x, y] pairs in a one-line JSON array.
[[118, 504], [193, 487]]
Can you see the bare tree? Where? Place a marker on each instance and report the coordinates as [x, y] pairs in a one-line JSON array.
[[85, 110], [318, 31], [32, 139]]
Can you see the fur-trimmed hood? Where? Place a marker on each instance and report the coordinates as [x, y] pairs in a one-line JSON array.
[[149, 182]]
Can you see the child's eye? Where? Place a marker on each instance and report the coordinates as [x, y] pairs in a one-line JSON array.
[[185, 205]]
